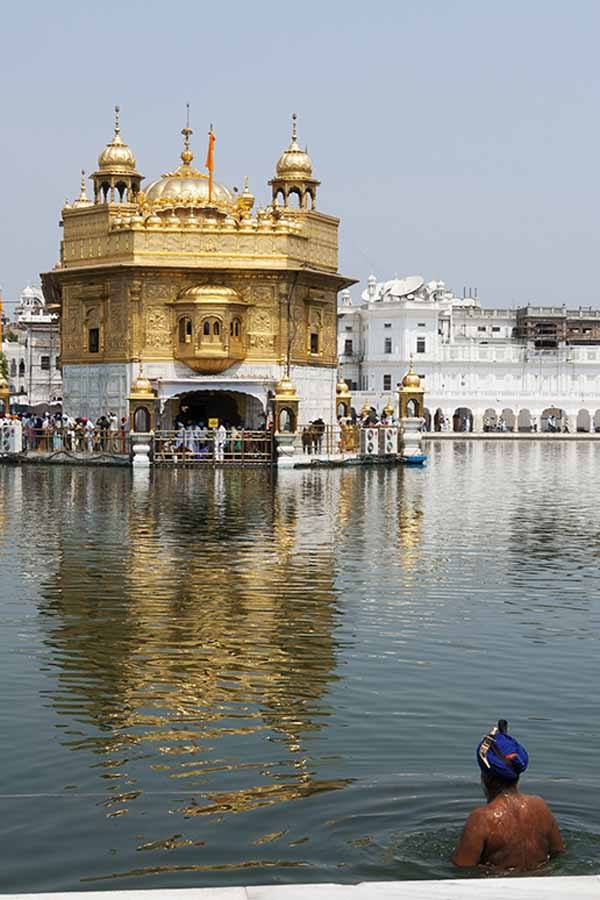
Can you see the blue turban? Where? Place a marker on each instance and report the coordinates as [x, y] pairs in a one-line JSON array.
[[506, 758]]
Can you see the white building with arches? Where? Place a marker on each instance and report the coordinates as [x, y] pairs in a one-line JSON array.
[[520, 369]]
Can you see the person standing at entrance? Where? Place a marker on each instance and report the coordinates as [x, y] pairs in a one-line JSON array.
[[513, 831], [220, 438]]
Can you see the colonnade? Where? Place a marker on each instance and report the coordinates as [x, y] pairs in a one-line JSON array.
[[511, 419]]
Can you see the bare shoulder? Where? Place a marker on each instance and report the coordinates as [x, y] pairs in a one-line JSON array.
[[477, 818], [536, 803]]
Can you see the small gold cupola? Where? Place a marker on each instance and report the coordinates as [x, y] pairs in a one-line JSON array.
[[116, 180], [294, 176], [83, 199], [411, 395], [343, 399]]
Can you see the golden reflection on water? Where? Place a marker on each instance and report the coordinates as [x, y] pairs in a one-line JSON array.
[[202, 620]]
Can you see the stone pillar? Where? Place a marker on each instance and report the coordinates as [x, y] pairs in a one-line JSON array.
[[411, 437], [286, 449], [140, 444], [286, 406]]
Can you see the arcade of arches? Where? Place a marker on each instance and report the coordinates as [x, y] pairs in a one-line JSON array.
[[547, 420]]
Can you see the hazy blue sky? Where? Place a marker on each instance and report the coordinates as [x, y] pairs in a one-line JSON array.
[[458, 140]]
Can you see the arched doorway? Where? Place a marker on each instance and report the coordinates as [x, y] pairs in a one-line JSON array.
[[439, 420], [507, 420], [596, 420], [231, 408], [524, 420], [427, 417], [584, 420], [462, 420], [553, 419], [490, 420]]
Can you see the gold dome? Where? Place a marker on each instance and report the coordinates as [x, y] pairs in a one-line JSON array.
[[285, 390], [411, 379], [388, 409], [187, 187], [294, 163], [117, 158], [342, 389], [207, 293], [141, 387]]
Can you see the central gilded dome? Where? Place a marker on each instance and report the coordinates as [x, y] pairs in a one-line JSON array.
[[188, 187]]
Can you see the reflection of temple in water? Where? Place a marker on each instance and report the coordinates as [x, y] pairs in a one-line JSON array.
[[184, 632]]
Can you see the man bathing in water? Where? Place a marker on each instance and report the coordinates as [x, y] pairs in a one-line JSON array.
[[514, 830]]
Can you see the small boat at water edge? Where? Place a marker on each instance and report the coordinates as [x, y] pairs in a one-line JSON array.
[[418, 459]]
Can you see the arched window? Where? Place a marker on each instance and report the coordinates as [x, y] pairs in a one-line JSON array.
[[212, 330], [13, 368], [22, 368], [235, 328], [185, 330], [141, 420]]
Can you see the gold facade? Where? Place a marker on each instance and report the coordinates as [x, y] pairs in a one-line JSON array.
[[191, 273]]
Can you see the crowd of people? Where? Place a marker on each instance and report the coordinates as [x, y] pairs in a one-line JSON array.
[[53, 432], [193, 439]]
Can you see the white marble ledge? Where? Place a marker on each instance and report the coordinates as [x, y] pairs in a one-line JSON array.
[[540, 888]]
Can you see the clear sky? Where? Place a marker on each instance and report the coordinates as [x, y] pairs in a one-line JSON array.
[[457, 139]]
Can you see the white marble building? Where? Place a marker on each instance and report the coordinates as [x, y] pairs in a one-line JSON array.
[[531, 368], [33, 358]]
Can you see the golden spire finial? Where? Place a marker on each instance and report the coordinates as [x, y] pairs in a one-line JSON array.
[[294, 118], [117, 123], [83, 199], [187, 155]]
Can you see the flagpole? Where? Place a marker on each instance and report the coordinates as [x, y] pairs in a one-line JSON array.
[[210, 162]]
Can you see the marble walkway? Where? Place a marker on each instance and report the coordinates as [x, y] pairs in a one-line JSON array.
[[573, 888]]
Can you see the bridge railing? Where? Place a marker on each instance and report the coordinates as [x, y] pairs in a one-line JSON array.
[[208, 447], [77, 439]]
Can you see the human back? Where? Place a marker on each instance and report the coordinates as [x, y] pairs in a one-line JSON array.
[[514, 830]]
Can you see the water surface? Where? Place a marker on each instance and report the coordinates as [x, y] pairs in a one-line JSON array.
[[217, 678]]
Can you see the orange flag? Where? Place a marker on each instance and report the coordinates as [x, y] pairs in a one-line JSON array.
[[210, 162]]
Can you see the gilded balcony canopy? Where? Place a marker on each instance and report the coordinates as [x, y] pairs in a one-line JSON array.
[[210, 295]]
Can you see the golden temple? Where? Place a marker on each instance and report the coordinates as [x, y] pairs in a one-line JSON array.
[[217, 299]]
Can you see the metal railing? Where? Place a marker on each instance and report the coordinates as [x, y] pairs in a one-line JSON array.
[[191, 447], [76, 439]]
